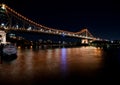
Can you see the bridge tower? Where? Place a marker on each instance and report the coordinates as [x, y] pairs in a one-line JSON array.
[[3, 23], [85, 34], [2, 37]]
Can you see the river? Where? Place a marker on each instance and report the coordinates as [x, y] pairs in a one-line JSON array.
[[60, 66]]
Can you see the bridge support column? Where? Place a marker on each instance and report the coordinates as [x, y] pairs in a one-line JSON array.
[[84, 41], [2, 37]]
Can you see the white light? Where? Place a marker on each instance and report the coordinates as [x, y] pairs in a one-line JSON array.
[[3, 6], [2, 24], [29, 28], [17, 26], [49, 30], [111, 41]]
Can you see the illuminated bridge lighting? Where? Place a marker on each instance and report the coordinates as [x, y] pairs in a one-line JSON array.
[[35, 27]]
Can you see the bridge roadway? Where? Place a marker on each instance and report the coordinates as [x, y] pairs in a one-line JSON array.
[[57, 32]]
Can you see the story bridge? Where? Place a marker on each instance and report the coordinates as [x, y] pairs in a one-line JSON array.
[[10, 20]]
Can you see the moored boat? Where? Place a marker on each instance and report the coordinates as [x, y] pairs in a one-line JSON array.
[[9, 51]]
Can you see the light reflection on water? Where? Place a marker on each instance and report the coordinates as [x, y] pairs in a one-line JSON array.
[[40, 63], [63, 59]]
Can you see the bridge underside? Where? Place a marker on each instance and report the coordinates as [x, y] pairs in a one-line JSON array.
[[45, 37]]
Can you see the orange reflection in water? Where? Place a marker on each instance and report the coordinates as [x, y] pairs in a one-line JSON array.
[[41, 64]]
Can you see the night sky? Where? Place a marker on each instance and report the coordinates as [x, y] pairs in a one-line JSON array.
[[101, 17]]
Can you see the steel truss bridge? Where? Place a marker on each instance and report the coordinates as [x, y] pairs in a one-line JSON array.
[[12, 20]]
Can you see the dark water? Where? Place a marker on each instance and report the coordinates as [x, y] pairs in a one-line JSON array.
[[61, 66]]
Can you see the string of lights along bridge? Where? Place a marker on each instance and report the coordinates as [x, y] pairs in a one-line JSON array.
[[17, 22]]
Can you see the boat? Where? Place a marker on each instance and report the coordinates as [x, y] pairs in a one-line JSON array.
[[9, 51]]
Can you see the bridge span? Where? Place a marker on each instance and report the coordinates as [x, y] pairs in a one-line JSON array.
[[12, 20]]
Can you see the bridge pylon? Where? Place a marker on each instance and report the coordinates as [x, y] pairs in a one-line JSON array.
[[2, 37]]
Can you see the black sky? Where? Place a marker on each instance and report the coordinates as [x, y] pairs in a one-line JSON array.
[[101, 17]]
